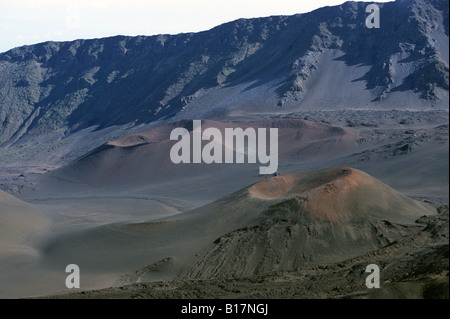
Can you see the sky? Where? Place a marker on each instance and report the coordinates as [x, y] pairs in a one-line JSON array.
[[24, 22]]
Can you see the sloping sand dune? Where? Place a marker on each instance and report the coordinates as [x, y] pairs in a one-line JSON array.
[[144, 157], [282, 222], [18, 222]]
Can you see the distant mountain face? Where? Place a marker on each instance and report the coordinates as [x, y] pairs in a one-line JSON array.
[[324, 59]]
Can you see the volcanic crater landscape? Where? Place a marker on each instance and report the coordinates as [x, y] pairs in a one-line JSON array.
[[86, 176]]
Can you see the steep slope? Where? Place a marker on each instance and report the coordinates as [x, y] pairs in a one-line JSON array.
[[18, 221], [323, 59], [325, 216], [280, 223]]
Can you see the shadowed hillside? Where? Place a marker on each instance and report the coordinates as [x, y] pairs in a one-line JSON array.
[[323, 59], [324, 216]]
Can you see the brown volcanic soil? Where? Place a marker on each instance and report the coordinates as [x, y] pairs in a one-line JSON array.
[[327, 215], [414, 266], [144, 157], [339, 195], [257, 235], [125, 236]]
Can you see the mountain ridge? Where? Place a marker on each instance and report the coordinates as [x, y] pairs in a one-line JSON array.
[[269, 64]]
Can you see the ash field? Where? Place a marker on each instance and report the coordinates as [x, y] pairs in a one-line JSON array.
[[87, 178]]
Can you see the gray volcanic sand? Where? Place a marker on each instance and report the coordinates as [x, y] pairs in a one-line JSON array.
[[122, 229]]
